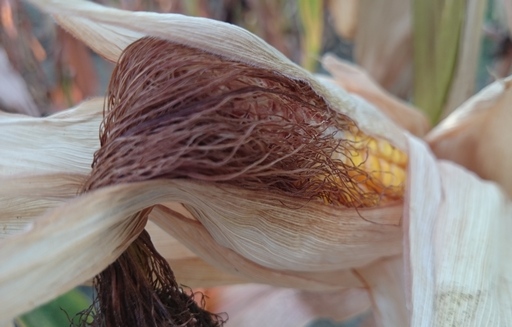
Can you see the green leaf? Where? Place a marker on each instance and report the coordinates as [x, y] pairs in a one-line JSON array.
[[312, 18], [437, 33], [58, 312]]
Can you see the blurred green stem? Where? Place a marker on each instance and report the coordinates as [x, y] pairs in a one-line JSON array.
[[437, 28], [312, 18], [57, 313]]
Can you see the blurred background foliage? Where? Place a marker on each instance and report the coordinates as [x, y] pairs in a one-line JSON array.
[[434, 54], [422, 51]]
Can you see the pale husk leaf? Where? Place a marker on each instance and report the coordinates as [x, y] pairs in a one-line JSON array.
[[95, 228], [69, 245], [189, 269], [255, 305], [64, 142], [284, 227], [384, 280], [356, 80], [36, 194], [23, 199], [476, 134], [458, 253], [195, 237], [44, 161], [269, 229], [108, 31]]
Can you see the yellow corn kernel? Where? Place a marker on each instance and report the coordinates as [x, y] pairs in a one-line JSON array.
[[383, 168]]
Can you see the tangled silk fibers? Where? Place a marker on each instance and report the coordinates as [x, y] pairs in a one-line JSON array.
[[177, 112]]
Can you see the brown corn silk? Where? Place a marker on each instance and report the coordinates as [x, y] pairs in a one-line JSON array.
[[177, 112]]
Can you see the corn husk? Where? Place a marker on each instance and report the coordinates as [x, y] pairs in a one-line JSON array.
[[35, 151], [44, 161], [188, 268], [457, 254], [255, 305], [356, 80], [474, 136]]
